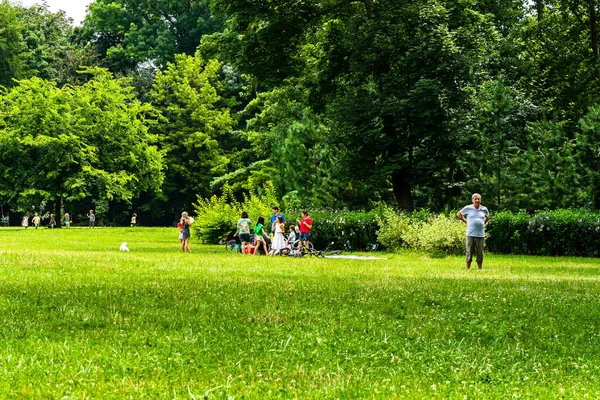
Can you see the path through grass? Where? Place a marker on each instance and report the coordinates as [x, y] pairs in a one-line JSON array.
[[80, 319]]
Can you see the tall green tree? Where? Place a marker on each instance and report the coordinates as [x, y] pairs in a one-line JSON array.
[[73, 144], [387, 73], [588, 152], [195, 121], [126, 33], [12, 45], [302, 163]]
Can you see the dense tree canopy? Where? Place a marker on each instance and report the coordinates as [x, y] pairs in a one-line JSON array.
[[65, 145], [335, 103]]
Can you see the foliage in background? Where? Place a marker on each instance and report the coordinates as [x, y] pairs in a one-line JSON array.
[[505, 232], [125, 33], [76, 144], [573, 232], [12, 45], [440, 234], [392, 225], [194, 122], [217, 216], [340, 226]]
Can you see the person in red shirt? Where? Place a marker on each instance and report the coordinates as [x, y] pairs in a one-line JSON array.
[[305, 227]]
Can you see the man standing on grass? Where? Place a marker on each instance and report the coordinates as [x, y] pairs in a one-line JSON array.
[[305, 228], [475, 216]]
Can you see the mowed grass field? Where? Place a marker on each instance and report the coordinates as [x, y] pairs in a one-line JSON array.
[[79, 319]]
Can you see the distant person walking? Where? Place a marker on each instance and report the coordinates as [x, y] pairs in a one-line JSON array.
[[52, 222], [67, 219], [92, 217], [25, 221], [36, 220], [475, 216], [259, 236], [133, 220]]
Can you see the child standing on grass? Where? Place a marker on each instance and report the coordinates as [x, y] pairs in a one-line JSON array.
[[243, 228], [25, 221], [133, 220], [180, 227], [67, 220], [279, 240], [52, 222], [92, 218], [185, 232], [36, 220], [259, 235]]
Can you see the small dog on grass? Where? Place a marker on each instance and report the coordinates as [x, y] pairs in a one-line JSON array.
[[124, 247]]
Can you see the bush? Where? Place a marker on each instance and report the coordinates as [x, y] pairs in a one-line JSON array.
[[439, 234], [563, 232], [340, 226], [505, 232], [217, 216], [551, 233], [392, 227]]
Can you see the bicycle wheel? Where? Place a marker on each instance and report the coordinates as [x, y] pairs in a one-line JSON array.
[[230, 245]]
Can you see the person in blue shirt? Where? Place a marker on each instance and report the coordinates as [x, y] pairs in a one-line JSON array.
[[276, 214], [475, 216]]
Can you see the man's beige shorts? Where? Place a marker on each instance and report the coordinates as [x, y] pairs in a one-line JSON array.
[[475, 246]]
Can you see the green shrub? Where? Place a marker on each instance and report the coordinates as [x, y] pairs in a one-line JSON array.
[[563, 232], [552, 233], [392, 226], [505, 232], [217, 216], [439, 234], [340, 226]]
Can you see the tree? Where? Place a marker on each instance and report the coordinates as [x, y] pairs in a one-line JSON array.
[[588, 152], [49, 54], [195, 120], [12, 46], [89, 143], [128, 32], [387, 73]]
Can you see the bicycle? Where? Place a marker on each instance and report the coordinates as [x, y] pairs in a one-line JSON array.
[[373, 247], [318, 253], [347, 248], [230, 245]]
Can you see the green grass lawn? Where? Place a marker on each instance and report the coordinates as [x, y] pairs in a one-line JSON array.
[[79, 319]]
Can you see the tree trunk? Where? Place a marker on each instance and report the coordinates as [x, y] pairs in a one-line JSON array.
[[594, 34], [57, 212], [402, 189], [539, 5], [401, 175]]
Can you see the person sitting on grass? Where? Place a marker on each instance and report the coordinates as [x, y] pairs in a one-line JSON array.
[[291, 239]]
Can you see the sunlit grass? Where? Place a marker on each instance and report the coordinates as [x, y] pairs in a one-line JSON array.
[[81, 319]]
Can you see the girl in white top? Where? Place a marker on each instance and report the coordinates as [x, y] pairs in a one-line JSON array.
[[25, 221], [278, 240]]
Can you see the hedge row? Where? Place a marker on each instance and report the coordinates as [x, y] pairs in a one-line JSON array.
[[553, 233], [560, 232]]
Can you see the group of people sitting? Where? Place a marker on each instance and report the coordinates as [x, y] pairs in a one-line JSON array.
[[254, 240]]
